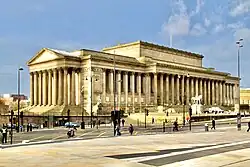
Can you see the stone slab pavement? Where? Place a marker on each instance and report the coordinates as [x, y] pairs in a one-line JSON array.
[[213, 148]]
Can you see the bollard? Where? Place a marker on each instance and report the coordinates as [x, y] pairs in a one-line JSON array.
[[164, 127]]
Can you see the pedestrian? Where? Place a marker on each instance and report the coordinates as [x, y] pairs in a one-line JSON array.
[[123, 122], [4, 134], [131, 129], [28, 127], [153, 120], [175, 126], [248, 126], [213, 124], [118, 133]]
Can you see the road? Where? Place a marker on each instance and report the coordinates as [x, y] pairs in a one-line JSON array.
[[60, 133]]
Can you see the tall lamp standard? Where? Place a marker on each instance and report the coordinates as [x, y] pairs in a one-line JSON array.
[[239, 44], [18, 100]]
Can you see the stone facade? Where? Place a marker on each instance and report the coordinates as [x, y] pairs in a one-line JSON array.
[[147, 75]]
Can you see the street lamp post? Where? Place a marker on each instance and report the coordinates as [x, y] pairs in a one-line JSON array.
[[18, 100], [239, 44]]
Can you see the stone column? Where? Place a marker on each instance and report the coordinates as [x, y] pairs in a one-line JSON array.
[[187, 91], [111, 82], [196, 87], [31, 89], [60, 86], [40, 88], [65, 86], [35, 88], [103, 85], [205, 92], [178, 89], [201, 88], [161, 89], [45, 88], [192, 87], [55, 87], [80, 87], [213, 92], [208, 92], [133, 90], [173, 92], [231, 94], [49, 87], [139, 90], [148, 89], [126, 89], [221, 94], [167, 89], [73, 87], [182, 89], [155, 89], [119, 89], [217, 92], [224, 93]]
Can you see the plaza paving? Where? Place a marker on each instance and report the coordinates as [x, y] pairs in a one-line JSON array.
[[223, 147]]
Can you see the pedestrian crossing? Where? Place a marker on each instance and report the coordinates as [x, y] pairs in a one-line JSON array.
[[164, 158]]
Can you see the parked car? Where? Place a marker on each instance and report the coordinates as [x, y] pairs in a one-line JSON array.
[[9, 126], [72, 124], [34, 126]]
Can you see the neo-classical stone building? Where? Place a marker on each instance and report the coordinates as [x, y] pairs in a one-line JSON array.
[[147, 75]]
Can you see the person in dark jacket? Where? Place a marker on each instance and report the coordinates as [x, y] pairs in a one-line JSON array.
[[213, 124], [248, 126], [131, 129]]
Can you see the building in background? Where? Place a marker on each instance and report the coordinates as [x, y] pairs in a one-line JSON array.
[[147, 76]]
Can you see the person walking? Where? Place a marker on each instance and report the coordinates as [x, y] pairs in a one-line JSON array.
[[123, 122], [4, 133], [118, 133], [248, 126], [213, 124], [131, 129]]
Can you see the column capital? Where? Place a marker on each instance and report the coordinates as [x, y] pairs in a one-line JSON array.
[[118, 71], [104, 69], [147, 74], [132, 73], [139, 73], [125, 72]]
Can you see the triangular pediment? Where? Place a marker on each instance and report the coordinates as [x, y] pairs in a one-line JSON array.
[[43, 56]]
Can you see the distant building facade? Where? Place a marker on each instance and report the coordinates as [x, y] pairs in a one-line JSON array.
[[146, 76]]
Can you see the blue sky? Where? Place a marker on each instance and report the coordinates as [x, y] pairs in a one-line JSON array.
[[209, 27]]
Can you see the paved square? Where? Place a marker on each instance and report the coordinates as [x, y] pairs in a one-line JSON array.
[[218, 148]]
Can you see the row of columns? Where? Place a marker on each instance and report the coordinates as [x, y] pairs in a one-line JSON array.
[[168, 88], [55, 87]]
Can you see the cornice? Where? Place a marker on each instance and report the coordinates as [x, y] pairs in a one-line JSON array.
[[153, 46], [202, 70]]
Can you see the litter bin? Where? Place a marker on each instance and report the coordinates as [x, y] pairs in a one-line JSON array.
[[206, 127], [83, 125]]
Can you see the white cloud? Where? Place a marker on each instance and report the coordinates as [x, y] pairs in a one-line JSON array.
[[199, 4], [243, 33], [240, 7], [198, 30], [179, 23], [218, 28], [235, 26], [207, 22]]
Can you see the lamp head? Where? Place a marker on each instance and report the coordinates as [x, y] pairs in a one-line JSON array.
[[20, 69]]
